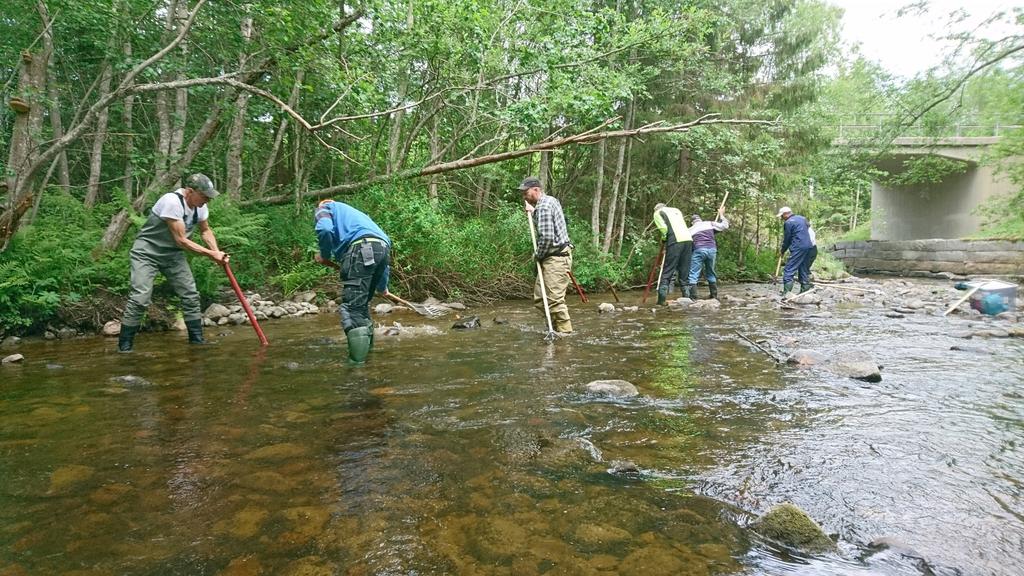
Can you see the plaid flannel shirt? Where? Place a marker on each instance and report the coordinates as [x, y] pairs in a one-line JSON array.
[[552, 235]]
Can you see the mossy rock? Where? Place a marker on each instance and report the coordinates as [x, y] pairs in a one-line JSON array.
[[789, 525]]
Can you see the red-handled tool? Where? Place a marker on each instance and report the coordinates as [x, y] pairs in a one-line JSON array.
[[245, 304]]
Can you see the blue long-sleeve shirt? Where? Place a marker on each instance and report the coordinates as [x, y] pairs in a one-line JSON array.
[[794, 234], [338, 224]]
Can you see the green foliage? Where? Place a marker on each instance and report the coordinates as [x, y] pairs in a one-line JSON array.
[[49, 265], [924, 170]]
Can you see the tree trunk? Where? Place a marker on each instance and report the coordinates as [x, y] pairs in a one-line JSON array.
[[293, 99], [163, 107], [545, 164], [96, 156], [616, 181], [435, 149], [56, 120], [395, 135], [625, 196], [236, 136], [128, 184], [595, 207], [25, 137], [179, 120]]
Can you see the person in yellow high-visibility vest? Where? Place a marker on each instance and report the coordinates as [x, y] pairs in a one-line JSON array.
[[678, 251]]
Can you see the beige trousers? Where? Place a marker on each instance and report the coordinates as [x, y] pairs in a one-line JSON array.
[[556, 280]]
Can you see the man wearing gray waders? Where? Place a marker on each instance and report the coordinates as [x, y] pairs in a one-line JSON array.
[[160, 247], [554, 252], [350, 242], [678, 251], [797, 240]]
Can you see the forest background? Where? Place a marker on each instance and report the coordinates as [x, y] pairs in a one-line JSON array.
[[426, 114]]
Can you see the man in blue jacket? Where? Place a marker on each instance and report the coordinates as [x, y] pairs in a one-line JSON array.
[[350, 242], [796, 239]]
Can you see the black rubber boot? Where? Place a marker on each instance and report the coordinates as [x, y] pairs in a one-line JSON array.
[[195, 331], [805, 287], [126, 339], [713, 288], [689, 291], [786, 288], [662, 295]]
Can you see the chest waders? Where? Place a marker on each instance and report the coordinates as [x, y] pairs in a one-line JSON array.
[[155, 250]]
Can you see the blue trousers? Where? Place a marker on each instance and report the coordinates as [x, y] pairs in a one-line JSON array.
[[703, 259], [795, 265], [805, 269]]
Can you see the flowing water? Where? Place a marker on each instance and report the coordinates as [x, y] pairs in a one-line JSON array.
[[478, 452]]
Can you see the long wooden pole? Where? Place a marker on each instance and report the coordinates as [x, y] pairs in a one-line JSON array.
[[540, 278], [245, 304], [962, 300], [718, 216], [650, 275]]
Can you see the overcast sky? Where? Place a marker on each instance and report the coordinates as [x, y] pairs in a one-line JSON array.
[[902, 45]]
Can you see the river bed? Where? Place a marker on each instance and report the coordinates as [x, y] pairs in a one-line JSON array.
[[478, 452]]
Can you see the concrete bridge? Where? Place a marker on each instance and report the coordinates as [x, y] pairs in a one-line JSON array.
[[911, 226]]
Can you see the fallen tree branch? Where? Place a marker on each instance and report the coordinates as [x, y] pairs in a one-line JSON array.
[[587, 137]]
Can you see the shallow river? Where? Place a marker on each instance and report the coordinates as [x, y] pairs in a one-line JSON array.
[[477, 452]]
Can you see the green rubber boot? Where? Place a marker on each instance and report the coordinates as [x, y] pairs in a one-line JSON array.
[[359, 342], [786, 288], [662, 294], [806, 287]]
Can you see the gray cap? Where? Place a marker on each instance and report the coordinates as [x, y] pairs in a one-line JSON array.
[[530, 182], [201, 183]]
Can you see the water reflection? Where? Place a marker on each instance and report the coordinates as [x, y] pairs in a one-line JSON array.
[[476, 452]]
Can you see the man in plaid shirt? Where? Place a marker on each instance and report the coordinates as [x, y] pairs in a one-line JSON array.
[[554, 251]]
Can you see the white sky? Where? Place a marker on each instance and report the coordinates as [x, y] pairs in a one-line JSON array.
[[902, 45]]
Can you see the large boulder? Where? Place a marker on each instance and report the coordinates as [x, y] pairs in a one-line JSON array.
[[304, 297], [856, 367], [805, 358], [112, 328], [791, 526], [216, 311], [612, 388]]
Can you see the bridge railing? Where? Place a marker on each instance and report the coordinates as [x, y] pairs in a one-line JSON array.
[[868, 126]]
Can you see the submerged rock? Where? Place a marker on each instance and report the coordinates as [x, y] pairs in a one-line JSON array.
[[789, 525], [623, 467], [131, 380], [470, 323], [383, 308], [857, 367], [805, 358], [612, 388], [706, 304], [605, 307], [499, 320], [67, 477]]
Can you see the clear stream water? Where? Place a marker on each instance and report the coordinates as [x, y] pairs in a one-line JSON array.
[[477, 452]]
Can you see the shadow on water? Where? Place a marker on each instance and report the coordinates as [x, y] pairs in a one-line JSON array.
[[477, 452]]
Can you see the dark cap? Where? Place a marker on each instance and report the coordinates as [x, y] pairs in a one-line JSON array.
[[530, 182], [695, 218], [201, 183]]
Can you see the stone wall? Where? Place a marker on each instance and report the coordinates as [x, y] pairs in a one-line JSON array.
[[927, 258]]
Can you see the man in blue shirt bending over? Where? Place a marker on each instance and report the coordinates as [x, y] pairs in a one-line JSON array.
[[796, 239], [353, 244]]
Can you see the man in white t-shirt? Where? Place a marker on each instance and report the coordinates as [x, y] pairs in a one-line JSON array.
[[160, 247]]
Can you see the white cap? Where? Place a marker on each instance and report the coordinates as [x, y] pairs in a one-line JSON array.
[[783, 210]]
